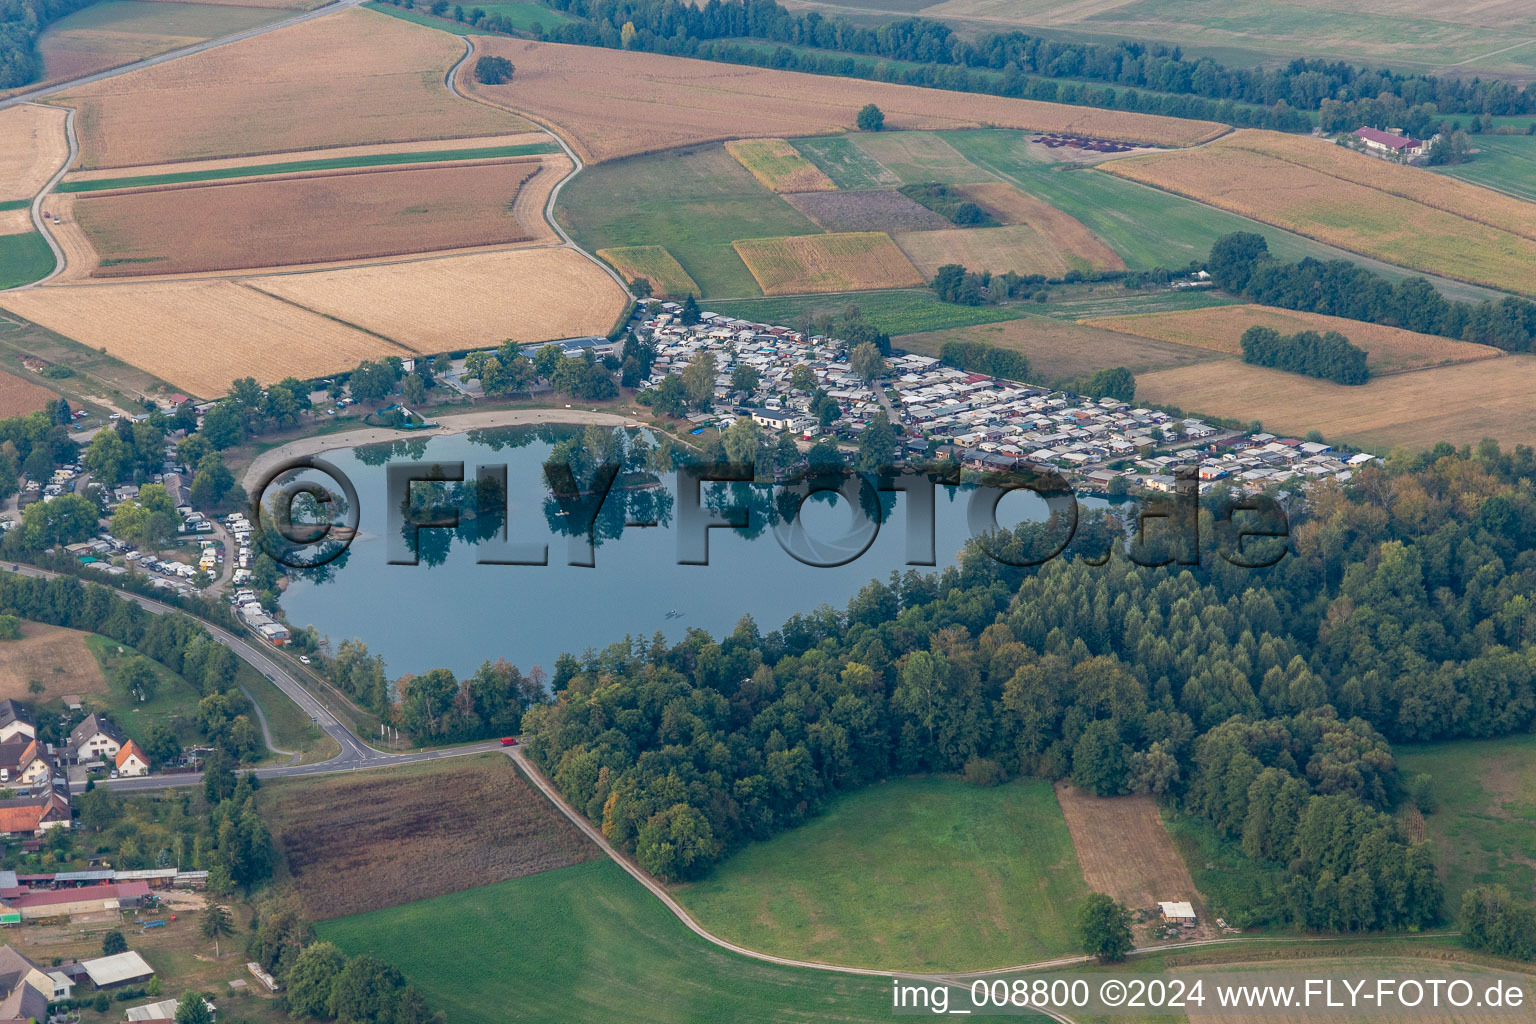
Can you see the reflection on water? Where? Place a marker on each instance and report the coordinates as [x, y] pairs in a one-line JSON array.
[[453, 610]]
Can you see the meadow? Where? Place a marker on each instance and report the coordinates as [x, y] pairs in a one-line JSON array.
[[1220, 329], [383, 83], [24, 258], [869, 209], [56, 657], [845, 163], [922, 874], [1482, 827], [1504, 162], [358, 843], [655, 265], [614, 103], [289, 220], [521, 15], [778, 165], [1021, 248], [587, 945], [695, 202], [854, 261]]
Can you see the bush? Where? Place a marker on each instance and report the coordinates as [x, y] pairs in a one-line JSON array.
[[494, 70], [984, 772], [871, 118]]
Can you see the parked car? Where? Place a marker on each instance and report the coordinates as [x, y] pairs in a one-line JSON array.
[[304, 658], [509, 741]]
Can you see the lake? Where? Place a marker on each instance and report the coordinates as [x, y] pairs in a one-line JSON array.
[[450, 611]]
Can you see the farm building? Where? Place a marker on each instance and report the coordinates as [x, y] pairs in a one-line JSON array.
[[1389, 143], [120, 969], [90, 899], [1177, 913], [163, 1012]]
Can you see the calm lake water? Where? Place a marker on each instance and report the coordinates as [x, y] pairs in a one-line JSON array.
[[448, 611]]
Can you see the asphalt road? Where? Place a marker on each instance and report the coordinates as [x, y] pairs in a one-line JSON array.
[[355, 755]]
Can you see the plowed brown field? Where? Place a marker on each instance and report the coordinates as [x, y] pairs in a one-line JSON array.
[[283, 221], [857, 261], [613, 103], [351, 78]]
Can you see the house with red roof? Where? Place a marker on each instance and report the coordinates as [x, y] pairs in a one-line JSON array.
[[1390, 143]]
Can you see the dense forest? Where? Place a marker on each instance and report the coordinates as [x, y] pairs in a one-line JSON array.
[[21, 22], [1240, 263], [1149, 77], [1329, 356], [1261, 702]]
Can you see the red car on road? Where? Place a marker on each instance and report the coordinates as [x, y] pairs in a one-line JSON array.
[[509, 741]]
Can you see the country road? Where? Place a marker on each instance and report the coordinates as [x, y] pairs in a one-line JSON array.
[[355, 755]]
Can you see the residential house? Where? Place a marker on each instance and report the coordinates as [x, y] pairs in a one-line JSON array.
[[24, 761], [131, 760], [43, 811], [17, 971], [95, 739], [15, 720]]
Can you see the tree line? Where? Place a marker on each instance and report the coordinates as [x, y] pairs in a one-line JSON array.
[[1263, 703], [1240, 263], [1015, 63], [1329, 356], [980, 357]]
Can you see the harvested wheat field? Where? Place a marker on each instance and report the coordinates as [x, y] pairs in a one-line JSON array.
[[19, 396], [1342, 213], [1460, 404], [53, 656], [614, 103], [458, 302], [1061, 350], [867, 209], [856, 261], [1220, 328], [1009, 205], [1022, 248], [655, 264], [382, 82], [1434, 190], [15, 222], [1124, 850], [200, 335], [779, 166], [293, 220], [360, 843], [32, 148]]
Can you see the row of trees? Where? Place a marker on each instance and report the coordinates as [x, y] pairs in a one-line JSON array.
[[1014, 59], [1240, 263], [980, 357], [1329, 355], [953, 283]]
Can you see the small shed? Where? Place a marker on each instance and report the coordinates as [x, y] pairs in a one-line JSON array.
[[1177, 913], [119, 969]]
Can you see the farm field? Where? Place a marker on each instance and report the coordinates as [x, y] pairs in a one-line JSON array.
[[19, 396], [924, 874], [867, 210], [1460, 404], [695, 202], [286, 221], [854, 261], [532, 295], [778, 165], [1346, 214], [656, 265], [521, 14], [162, 327], [1400, 32], [1485, 791], [845, 163], [1062, 350], [341, 158], [1124, 849], [1022, 248], [590, 945], [117, 32], [613, 103], [32, 148], [1504, 162], [359, 843], [52, 655], [383, 83], [1388, 349], [24, 258], [906, 311], [916, 158]]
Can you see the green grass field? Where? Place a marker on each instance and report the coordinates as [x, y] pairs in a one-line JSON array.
[[14, 204], [588, 944], [917, 874], [1505, 162], [522, 16], [696, 202], [295, 166], [23, 258], [174, 702], [846, 164], [1484, 828], [291, 727], [906, 311]]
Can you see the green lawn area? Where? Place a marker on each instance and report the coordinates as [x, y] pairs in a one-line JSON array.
[[1505, 162], [291, 727], [923, 874], [151, 18], [846, 164], [23, 259], [294, 166], [522, 16], [588, 944], [173, 705], [905, 311], [1484, 827], [1087, 302], [696, 202], [14, 204]]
